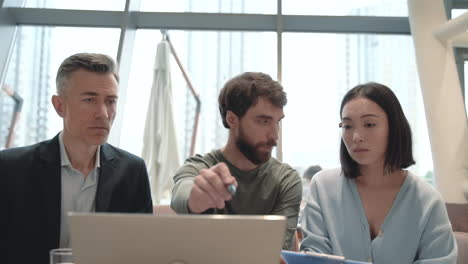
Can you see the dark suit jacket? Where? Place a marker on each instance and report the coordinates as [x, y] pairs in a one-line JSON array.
[[30, 196]]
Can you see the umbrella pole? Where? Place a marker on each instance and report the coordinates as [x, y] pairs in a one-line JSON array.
[[192, 89]]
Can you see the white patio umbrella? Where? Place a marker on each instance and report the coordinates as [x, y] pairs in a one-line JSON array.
[[160, 150]]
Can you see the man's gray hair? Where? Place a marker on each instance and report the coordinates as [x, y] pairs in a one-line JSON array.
[[93, 62]]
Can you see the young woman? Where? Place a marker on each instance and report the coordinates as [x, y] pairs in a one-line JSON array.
[[372, 209]]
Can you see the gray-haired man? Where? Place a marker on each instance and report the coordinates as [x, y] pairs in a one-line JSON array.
[[75, 171]]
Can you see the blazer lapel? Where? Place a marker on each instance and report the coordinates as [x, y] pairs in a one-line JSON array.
[[49, 169], [106, 180]]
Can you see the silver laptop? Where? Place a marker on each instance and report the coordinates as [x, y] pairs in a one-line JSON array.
[[104, 238]]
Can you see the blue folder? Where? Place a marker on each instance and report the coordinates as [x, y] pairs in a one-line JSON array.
[[292, 257]]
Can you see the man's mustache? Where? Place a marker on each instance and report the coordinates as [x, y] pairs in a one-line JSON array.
[[270, 143]]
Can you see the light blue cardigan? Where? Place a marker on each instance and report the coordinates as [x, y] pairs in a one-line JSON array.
[[416, 230]]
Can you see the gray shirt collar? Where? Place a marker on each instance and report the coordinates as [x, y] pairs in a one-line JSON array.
[[65, 161]]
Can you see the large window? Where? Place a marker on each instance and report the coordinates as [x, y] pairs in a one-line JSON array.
[[210, 58], [318, 70], [37, 54], [211, 6], [108, 5], [346, 7]]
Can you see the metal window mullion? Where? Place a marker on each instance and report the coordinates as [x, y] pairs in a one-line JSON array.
[[124, 58], [213, 21], [279, 65], [459, 4]]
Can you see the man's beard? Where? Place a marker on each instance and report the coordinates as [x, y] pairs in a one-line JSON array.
[[251, 151]]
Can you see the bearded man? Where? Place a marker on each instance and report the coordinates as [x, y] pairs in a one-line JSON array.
[[251, 106]]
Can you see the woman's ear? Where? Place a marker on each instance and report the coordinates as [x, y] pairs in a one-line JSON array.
[[232, 119]]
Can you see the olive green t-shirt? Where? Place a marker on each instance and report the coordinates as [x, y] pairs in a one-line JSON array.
[[274, 188]]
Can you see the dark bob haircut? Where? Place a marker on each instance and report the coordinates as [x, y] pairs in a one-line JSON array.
[[242, 92], [399, 153]]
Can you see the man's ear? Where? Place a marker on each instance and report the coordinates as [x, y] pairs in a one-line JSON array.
[[232, 119], [57, 101]]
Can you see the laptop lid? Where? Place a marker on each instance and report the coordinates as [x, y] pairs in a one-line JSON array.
[[104, 238]]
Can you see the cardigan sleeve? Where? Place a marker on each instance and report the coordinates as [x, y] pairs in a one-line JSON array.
[[437, 243], [316, 238]]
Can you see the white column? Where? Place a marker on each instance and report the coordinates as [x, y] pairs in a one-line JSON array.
[[443, 101]]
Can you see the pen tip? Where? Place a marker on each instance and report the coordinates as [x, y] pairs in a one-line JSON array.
[[232, 189]]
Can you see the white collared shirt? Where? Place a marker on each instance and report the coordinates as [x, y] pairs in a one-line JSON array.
[[78, 192]]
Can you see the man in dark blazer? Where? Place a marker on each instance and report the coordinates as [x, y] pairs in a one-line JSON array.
[[75, 171]]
